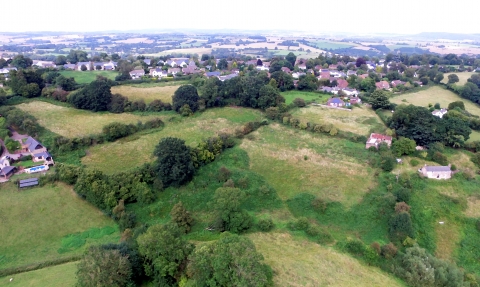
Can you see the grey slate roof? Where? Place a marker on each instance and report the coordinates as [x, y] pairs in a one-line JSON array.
[[6, 170], [44, 154], [32, 143], [437, 168]]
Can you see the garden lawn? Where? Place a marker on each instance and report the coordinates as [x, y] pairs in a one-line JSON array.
[[462, 76], [85, 77], [71, 122], [307, 96], [360, 120], [297, 262], [296, 162], [434, 95], [54, 276], [148, 92], [135, 150], [36, 221]]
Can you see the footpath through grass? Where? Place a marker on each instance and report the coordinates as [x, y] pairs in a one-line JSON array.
[[85, 77], [55, 276], [47, 223]]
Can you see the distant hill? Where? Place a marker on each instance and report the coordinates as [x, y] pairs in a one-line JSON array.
[[442, 35]]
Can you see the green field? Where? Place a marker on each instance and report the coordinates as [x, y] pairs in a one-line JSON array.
[[434, 95], [331, 45], [45, 223], [71, 122], [474, 136], [462, 76], [307, 96], [85, 77], [55, 276], [302, 263], [148, 92], [278, 154], [359, 120], [134, 151]]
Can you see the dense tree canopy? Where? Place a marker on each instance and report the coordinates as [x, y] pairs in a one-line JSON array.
[[230, 261], [453, 78], [174, 163], [185, 95], [291, 58], [96, 96], [26, 83], [379, 100], [21, 62]]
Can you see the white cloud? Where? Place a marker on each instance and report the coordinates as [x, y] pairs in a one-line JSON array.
[[407, 16]]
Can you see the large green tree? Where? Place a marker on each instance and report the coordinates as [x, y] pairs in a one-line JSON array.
[[185, 95], [229, 216], [453, 78], [103, 268], [403, 146], [230, 261], [21, 62], [96, 96], [165, 252], [269, 97], [416, 123], [174, 164], [291, 58], [379, 100]]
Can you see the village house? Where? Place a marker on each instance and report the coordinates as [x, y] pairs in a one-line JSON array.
[[335, 102], [86, 64], [5, 169], [297, 75], [262, 68], [157, 72], [286, 70], [6, 71], [397, 82], [189, 70], [70, 66], [212, 74], [137, 74], [327, 89], [436, 172], [376, 139], [350, 92], [174, 71], [342, 84], [44, 157], [382, 85], [32, 146], [439, 113], [355, 100]]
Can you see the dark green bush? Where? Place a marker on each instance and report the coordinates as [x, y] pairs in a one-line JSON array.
[[265, 224]]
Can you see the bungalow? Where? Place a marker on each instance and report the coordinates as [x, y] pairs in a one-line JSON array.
[[227, 77], [397, 82], [45, 64], [302, 66], [190, 70], [137, 74], [45, 157], [335, 102], [158, 73], [439, 113], [436, 172], [32, 146], [325, 75], [286, 70], [109, 67], [371, 65], [326, 89], [147, 61], [376, 139], [382, 85], [262, 68], [212, 74], [7, 171]]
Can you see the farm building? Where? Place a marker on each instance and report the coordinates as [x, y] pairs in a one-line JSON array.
[[436, 172], [376, 139]]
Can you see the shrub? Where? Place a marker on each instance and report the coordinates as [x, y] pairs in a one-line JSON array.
[[223, 174], [376, 246], [265, 224], [299, 102], [300, 224], [243, 182], [400, 226], [313, 231], [388, 251], [477, 224], [414, 162], [355, 247], [319, 204], [453, 167], [440, 158], [476, 159], [401, 207], [229, 183], [182, 217]]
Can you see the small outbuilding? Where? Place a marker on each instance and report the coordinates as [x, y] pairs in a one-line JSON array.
[[436, 172]]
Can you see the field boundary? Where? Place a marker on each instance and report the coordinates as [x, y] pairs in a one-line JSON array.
[[330, 107], [38, 265]]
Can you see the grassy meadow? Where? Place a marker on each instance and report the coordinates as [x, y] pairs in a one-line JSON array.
[[71, 122], [462, 76], [55, 276], [434, 95], [136, 150], [45, 223], [359, 120], [85, 77], [297, 262], [148, 92], [307, 96]]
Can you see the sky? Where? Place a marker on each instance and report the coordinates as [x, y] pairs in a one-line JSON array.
[[351, 16]]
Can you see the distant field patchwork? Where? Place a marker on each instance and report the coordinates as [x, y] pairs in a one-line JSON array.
[[70, 122], [434, 95]]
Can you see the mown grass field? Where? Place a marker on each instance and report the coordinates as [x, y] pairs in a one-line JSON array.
[[462, 76], [295, 162], [434, 95], [474, 136], [55, 276], [307, 96], [85, 77], [136, 150], [71, 122], [36, 221], [360, 120], [297, 262], [148, 92]]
